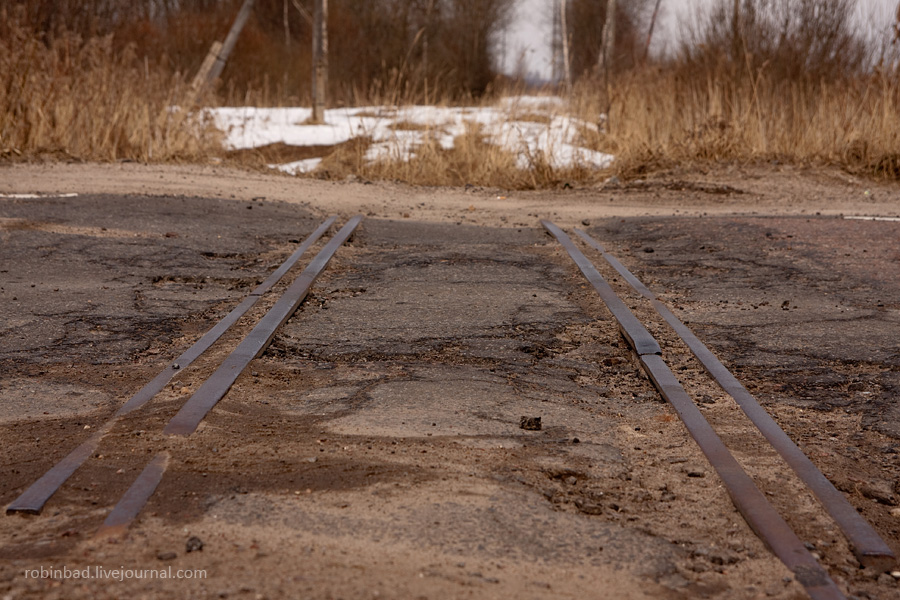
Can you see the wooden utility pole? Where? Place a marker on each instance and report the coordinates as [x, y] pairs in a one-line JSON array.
[[320, 61], [564, 40], [231, 39], [214, 62]]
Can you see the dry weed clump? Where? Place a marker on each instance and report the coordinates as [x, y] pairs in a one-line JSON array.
[[82, 99], [772, 81], [661, 118], [473, 160]]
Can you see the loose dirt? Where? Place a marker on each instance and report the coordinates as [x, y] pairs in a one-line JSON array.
[[377, 449]]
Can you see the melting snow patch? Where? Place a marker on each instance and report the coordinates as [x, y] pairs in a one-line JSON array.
[[531, 127], [297, 167], [33, 196]]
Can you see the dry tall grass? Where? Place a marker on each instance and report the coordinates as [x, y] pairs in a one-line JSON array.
[[81, 99], [761, 80], [85, 99], [471, 161], [660, 118], [475, 158]]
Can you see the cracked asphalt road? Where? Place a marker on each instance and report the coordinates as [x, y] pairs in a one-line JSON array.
[[375, 450]]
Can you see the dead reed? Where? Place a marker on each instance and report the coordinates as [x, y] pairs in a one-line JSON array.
[[81, 99], [760, 80], [663, 117], [472, 160], [726, 97]]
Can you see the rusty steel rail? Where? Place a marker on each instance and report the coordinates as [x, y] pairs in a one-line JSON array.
[[870, 549], [36, 496], [217, 385], [130, 505], [632, 329], [746, 496], [187, 419]]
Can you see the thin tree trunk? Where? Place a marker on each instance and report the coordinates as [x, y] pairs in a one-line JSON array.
[[650, 31], [896, 25], [564, 34], [425, 41], [609, 38], [287, 26], [607, 54], [320, 60], [736, 32], [303, 12]]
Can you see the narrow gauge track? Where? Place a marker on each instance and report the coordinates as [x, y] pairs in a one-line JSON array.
[[869, 548], [759, 513], [762, 517], [36, 496]]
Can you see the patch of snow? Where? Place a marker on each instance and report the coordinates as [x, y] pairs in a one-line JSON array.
[[306, 165], [543, 136], [31, 196], [532, 102]]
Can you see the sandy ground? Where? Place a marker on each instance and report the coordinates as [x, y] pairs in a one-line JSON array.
[[761, 190], [375, 450]]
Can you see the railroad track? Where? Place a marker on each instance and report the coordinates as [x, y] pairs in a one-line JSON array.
[[869, 549], [36, 496], [759, 513]]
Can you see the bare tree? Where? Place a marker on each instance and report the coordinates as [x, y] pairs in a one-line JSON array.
[[469, 28], [736, 30], [448, 46], [788, 39], [896, 25], [287, 25], [564, 44], [650, 31], [320, 60], [587, 44], [609, 40]]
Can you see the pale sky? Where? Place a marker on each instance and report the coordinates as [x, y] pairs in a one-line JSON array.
[[529, 36]]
